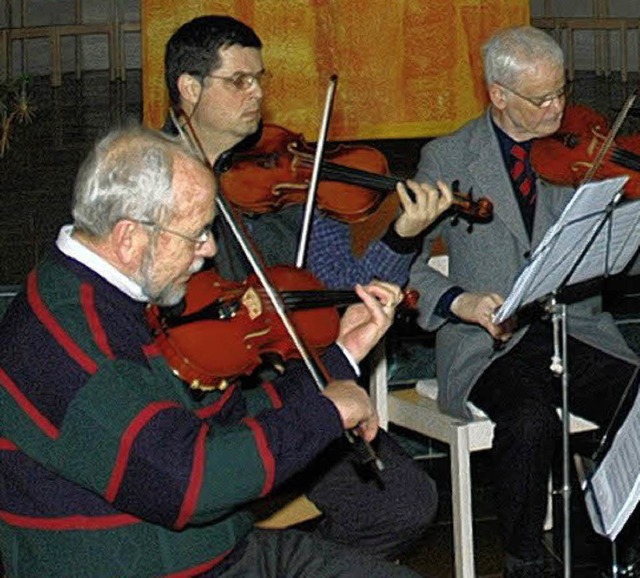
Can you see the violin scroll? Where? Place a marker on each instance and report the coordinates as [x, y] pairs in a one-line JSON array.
[[478, 210]]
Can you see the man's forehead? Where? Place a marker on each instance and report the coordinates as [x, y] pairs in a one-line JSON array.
[[237, 58], [542, 75]]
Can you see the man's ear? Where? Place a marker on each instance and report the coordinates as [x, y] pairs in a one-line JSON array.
[[190, 88], [128, 241], [497, 96]]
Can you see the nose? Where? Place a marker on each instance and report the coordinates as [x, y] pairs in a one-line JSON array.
[[256, 90], [209, 248], [558, 103]]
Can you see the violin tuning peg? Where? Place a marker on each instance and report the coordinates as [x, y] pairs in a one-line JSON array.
[[223, 163], [455, 186]]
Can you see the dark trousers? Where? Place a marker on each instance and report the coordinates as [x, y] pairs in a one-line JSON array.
[[379, 513], [520, 394], [367, 516], [296, 554]]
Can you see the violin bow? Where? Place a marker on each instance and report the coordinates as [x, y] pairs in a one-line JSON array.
[[318, 372], [315, 174], [606, 145]]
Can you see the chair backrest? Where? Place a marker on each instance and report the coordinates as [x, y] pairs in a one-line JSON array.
[[415, 361]]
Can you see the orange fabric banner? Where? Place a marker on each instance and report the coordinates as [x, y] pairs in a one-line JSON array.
[[405, 68]]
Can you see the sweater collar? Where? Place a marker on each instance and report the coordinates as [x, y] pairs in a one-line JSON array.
[[81, 253]]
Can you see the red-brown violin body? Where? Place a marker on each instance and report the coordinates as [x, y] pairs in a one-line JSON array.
[[226, 328], [566, 157], [277, 171]]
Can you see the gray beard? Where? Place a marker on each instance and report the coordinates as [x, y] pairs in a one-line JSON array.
[[168, 295]]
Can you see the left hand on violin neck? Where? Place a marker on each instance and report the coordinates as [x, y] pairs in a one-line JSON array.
[[422, 208], [364, 324]]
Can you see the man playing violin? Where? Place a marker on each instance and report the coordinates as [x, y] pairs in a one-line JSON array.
[[108, 466], [504, 369], [214, 72]]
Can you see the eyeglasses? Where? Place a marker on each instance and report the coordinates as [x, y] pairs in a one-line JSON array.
[[543, 101], [243, 81], [197, 240]]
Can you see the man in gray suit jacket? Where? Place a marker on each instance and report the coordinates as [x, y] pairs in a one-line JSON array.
[[504, 369]]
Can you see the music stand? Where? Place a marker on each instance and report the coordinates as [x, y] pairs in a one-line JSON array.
[[589, 240]]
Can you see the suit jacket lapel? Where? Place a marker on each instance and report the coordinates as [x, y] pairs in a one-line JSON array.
[[489, 172]]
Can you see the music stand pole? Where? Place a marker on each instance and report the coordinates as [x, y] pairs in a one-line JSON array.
[[559, 366]]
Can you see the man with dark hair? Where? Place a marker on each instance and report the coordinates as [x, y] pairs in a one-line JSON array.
[[214, 74], [214, 71]]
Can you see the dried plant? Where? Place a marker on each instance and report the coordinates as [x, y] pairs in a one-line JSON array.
[[15, 107]]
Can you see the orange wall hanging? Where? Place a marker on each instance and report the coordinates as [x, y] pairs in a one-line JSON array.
[[406, 68]]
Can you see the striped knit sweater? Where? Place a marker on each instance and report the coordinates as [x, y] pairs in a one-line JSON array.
[[108, 466]]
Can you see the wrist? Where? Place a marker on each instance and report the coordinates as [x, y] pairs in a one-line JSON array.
[[399, 243], [456, 304], [350, 358], [445, 305]]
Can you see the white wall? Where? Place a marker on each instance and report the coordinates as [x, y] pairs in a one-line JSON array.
[[584, 41]]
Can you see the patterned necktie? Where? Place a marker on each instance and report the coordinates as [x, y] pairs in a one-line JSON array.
[[522, 178]]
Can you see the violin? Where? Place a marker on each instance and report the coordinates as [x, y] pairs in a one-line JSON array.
[[238, 314], [275, 172], [568, 156]]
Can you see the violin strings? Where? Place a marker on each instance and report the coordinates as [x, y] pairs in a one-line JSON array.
[[626, 158], [353, 176], [310, 299], [462, 203]]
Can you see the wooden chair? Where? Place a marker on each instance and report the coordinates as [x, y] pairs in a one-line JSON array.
[[416, 409]]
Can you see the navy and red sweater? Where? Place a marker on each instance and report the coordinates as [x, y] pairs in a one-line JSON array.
[[108, 466]]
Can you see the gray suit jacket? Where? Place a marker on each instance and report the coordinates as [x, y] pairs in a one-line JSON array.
[[488, 259]]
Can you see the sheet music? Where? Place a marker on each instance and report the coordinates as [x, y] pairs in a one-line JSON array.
[[612, 490], [563, 244], [625, 217]]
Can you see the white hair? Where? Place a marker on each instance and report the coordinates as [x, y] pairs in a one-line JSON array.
[[511, 51]]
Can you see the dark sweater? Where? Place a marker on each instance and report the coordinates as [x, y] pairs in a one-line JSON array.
[[108, 466]]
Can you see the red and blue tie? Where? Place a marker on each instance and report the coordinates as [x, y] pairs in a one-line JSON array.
[[520, 173]]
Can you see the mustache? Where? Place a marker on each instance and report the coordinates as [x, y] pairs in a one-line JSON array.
[[196, 266]]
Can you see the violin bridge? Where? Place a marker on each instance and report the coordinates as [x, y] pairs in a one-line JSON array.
[[252, 302]]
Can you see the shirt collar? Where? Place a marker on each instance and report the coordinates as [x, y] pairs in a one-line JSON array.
[[76, 250], [506, 142]]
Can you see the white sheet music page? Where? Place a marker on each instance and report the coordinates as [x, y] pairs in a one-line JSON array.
[[612, 490], [565, 241], [618, 249]]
